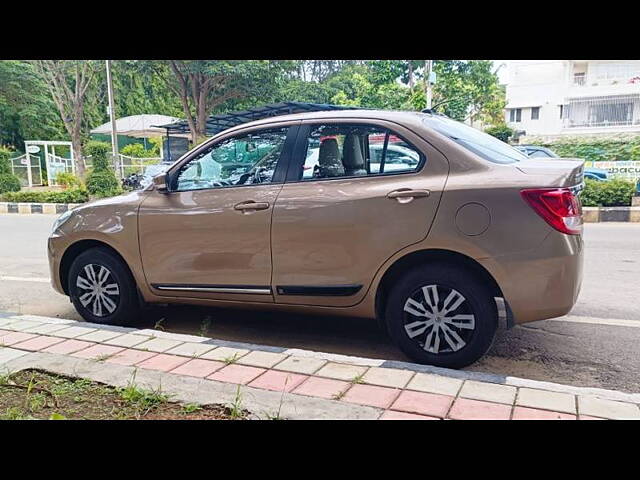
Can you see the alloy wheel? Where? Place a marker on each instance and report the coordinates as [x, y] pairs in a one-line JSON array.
[[99, 290], [439, 319]]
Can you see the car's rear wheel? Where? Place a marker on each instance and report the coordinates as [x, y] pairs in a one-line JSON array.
[[102, 289], [441, 315]]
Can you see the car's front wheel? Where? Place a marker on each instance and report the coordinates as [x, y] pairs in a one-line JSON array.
[[441, 315], [102, 289]]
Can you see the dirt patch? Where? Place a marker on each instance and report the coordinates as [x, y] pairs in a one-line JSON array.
[[36, 394]]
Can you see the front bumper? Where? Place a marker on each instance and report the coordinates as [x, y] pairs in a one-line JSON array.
[[543, 283], [54, 252]]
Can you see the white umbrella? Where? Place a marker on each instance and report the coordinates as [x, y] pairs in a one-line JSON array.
[[138, 126]]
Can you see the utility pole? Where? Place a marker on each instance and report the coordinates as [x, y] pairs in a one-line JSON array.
[[112, 117], [428, 67]]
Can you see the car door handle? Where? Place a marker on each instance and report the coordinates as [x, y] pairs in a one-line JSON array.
[[251, 205], [405, 195]]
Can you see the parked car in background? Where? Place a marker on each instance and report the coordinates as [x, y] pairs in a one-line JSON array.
[[438, 236], [537, 151]]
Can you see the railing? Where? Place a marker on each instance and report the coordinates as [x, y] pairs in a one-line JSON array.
[[602, 112], [125, 165], [594, 81]]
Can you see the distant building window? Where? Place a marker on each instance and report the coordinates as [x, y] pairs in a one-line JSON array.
[[535, 113], [561, 111], [579, 78], [515, 115]]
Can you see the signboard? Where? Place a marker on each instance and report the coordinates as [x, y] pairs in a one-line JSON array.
[[24, 161], [33, 149], [628, 170]]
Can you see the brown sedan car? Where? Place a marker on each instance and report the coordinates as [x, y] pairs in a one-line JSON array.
[[433, 228]]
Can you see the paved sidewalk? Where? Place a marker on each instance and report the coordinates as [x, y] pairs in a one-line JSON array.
[[291, 383]]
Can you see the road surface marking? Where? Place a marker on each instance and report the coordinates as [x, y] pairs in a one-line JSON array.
[[616, 322], [25, 279]]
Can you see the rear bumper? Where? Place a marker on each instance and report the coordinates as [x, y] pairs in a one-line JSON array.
[[543, 283]]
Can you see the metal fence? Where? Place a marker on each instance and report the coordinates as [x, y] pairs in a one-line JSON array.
[[124, 165], [606, 111]]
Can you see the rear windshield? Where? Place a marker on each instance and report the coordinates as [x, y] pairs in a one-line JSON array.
[[480, 143]]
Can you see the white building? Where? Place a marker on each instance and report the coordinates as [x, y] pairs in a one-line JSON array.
[[555, 98]]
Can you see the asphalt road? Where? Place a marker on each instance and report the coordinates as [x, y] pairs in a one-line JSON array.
[[597, 345]]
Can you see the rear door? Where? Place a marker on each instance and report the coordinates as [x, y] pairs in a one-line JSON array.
[[343, 212]]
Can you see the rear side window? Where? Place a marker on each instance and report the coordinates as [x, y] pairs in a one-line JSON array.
[[480, 143], [334, 151]]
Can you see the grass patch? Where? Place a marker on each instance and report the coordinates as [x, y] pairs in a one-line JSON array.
[[35, 394]]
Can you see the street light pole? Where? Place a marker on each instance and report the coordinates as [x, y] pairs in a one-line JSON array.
[[112, 117], [428, 66]]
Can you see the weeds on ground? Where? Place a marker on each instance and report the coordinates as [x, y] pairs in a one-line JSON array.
[[236, 411], [231, 359]]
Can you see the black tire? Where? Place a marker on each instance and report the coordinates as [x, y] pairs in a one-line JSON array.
[[127, 305], [475, 323]]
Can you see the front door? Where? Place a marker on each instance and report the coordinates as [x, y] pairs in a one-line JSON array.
[[355, 195], [209, 237]]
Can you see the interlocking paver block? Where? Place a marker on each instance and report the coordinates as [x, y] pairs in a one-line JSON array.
[[241, 374], [44, 328], [21, 325], [545, 400], [158, 345], [38, 343], [5, 322], [372, 395], [68, 346], [8, 354], [394, 415], [162, 362], [128, 340], [430, 404], [100, 336], [466, 409], [198, 368], [387, 377], [130, 357], [15, 337], [427, 382], [305, 365], [261, 359], [278, 381], [341, 371], [524, 413], [225, 354], [98, 352], [72, 332], [322, 387], [489, 392], [599, 407], [191, 349]]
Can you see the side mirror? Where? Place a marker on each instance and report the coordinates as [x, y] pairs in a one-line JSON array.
[[161, 182]]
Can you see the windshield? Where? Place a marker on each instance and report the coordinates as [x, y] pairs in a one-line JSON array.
[[480, 143]]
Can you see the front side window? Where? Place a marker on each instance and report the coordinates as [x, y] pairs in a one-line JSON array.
[[357, 150], [243, 160]]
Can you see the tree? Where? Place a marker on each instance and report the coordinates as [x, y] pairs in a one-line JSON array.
[[67, 82]]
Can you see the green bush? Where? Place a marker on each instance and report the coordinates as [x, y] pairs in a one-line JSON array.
[[606, 149], [98, 152], [614, 193], [8, 181], [101, 181], [72, 195], [501, 132], [137, 150], [68, 180], [103, 184]]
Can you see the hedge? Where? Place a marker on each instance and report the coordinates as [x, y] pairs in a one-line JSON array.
[[101, 181], [602, 149], [8, 181], [613, 193], [71, 195]]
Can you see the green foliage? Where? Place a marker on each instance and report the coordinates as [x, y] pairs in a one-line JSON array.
[[613, 193], [600, 149], [71, 195], [8, 181], [137, 150], [68, 180], [103, 183], [5, 155], [98, 153], [501, 132]]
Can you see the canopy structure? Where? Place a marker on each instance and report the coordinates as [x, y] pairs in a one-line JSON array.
[[138, 126], [218, 123]]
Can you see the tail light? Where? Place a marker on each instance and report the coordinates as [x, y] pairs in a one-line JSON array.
[[559, 207]]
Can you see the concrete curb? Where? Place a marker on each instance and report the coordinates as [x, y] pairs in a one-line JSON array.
[[37, 208], [611, 214]]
